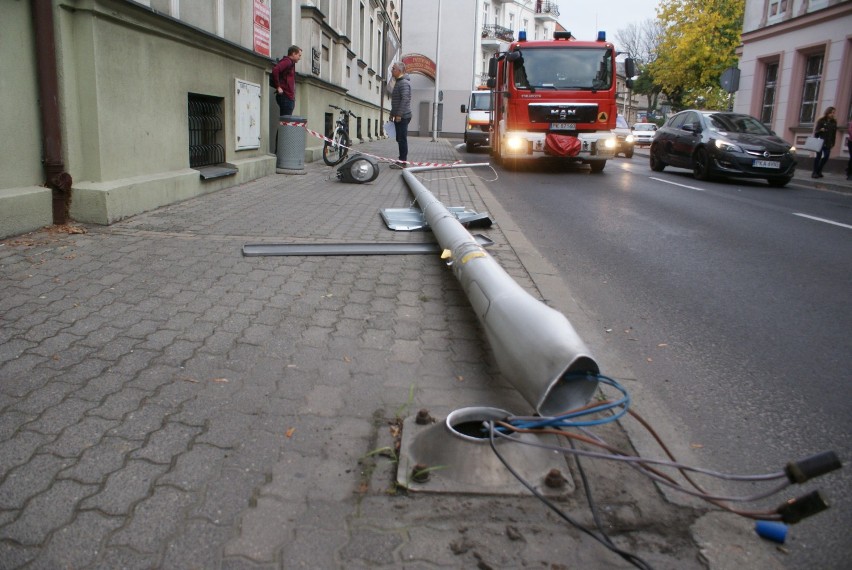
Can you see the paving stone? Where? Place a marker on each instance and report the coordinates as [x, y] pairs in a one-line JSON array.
[[78, 544], [197, 546], [80, 436], [29, 479], [372, 546], [264, 529], [125, 487], [46, 513], [126, 559], [167, 442], [41, 399], [98, 461], [153, 521], [20, 448], [15, 555]]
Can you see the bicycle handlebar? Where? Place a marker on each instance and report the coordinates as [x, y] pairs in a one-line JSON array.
[[343, 111]]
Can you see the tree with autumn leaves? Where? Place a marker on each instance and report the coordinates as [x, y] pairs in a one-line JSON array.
[[697, 42]]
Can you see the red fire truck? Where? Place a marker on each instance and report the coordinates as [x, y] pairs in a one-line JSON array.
[[555, 98]]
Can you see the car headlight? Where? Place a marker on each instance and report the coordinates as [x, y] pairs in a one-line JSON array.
[[610, 142], [792, 150], [727, 147], [629, 139]]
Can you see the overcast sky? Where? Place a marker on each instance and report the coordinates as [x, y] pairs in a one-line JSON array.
[[583, 18]]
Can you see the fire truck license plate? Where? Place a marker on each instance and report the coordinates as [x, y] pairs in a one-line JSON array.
[[766, 164], [563, 126]]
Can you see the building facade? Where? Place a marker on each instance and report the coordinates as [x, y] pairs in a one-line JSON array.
[[471, 31], [114, 107], [795, 61]]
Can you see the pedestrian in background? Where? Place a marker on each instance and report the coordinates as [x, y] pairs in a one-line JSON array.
[[849, 150], [400, 112], [284, 77], [826, 129]]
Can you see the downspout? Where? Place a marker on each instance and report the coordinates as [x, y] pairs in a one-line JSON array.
[[56, 178]]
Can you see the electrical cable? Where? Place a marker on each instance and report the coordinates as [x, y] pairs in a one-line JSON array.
[[632, 558], [655, 475]]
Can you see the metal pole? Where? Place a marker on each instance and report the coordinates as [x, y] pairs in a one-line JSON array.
[[536, 348], [437, 74]]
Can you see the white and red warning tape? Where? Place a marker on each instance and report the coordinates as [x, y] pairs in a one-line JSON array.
[[381, 158]]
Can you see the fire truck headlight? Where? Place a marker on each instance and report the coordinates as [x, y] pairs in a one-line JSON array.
[[515, 144], [611, 143]]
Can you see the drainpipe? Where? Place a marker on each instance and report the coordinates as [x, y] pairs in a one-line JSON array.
[[56, 178]]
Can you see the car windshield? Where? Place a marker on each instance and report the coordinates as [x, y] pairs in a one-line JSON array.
[[643, 127], [738, 124], [480, 101], [564, 68]]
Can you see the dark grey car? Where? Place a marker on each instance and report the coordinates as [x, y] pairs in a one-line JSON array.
[[716, 143]]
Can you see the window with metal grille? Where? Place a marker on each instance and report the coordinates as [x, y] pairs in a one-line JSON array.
[[810, 89], [358, 128], [769, 84], [205, 131]]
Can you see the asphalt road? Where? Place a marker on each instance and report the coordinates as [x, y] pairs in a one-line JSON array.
[[731, 303]]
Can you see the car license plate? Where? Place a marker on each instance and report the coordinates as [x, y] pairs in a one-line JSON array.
[[563, 126], [766, 164]]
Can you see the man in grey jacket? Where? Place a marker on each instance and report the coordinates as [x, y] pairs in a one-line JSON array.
[[400, 112]]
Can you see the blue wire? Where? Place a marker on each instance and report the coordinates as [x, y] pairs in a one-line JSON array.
[[564, 420]]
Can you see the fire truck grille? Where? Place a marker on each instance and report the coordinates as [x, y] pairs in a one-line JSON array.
[[563, 112]]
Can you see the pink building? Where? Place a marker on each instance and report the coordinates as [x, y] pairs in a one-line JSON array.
[[796, 60]]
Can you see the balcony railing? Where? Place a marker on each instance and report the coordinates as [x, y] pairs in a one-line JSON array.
[[547, 8], [497, 32]]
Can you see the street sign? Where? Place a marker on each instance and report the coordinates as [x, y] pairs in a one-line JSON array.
[[730, 80]]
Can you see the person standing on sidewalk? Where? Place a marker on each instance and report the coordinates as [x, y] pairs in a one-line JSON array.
[[826, 129], [400, 112], [284, 77], [849, 150]]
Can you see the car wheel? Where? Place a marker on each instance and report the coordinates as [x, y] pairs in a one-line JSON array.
[[629, 153], [701, 164], [469, 147], [657, 165], [778, 182]]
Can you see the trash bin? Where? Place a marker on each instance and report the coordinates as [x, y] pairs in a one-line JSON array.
[[290, 146]]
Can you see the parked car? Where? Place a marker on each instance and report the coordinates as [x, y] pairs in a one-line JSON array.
[[716, 143], [643, 133], [624, 136]]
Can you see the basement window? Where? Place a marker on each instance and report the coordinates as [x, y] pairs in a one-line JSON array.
[[206, 137]]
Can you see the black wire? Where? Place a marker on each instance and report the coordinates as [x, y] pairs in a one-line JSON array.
[[632, 558], [589, 498]]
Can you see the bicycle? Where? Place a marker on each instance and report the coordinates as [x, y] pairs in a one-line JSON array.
[[334, 151]]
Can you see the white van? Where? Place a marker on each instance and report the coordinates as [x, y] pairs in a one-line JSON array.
[[477, 128]]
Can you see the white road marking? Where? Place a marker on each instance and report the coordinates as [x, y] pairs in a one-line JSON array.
[[676, 184], [822, 220]]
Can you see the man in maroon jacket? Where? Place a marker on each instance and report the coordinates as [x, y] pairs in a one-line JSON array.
[[284, 77]]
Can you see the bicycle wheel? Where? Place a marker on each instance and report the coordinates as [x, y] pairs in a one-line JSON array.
[[333, 153]]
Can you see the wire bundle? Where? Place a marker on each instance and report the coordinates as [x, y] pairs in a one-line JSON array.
[[609, 410]]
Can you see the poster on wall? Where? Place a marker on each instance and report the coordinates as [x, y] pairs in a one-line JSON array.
[[261, 27]]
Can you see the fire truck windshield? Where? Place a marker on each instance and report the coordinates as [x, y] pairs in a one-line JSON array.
[[563, 68]]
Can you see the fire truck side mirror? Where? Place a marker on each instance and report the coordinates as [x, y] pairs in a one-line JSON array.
[[629, 68], [492, 69]]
